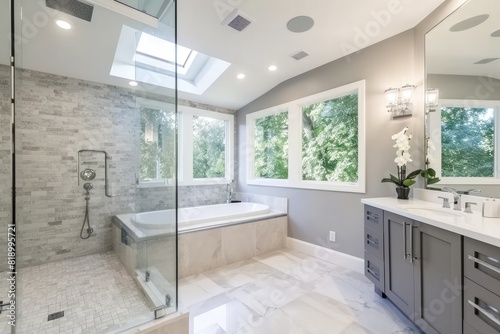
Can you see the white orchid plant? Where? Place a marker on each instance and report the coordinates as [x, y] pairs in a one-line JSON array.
[[403, 157]]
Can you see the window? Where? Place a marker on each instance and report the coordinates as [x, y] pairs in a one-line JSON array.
[[205, 146], [467, 142], [271, 146], [316, 142], [157, 144], [209, 150], [465, 137]]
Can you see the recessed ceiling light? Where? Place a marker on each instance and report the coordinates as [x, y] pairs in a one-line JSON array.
[[63, 24], [272, 68], [496, 33], [240, 76], [133, 83]]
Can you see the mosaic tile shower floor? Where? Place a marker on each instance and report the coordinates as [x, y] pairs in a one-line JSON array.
[[95, 292], [287, 292]]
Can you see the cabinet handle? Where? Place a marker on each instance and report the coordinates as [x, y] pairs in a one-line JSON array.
[[411, 243], [370, 241], [481, 262], [486, 313], [404, 236], [371, 272]]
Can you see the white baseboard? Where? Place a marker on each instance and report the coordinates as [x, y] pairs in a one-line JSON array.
[[329, 255]]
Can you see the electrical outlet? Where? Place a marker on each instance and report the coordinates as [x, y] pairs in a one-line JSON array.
[[332, 236]]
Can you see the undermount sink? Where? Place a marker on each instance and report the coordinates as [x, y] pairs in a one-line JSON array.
[[423, 210]]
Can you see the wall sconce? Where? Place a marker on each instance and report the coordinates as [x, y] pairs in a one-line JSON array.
[[431, 99], [399, 100]]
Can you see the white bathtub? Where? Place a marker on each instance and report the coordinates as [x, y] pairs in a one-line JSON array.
[[156, 223], [189, 217]]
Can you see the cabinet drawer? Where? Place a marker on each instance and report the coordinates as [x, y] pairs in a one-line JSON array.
[[481, 308], [374, 218], [374, 242], [482, 264], [374, 270]]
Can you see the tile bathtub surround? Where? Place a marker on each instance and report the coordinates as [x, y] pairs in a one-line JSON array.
[[285, 292], [205, 250], [56, 117]]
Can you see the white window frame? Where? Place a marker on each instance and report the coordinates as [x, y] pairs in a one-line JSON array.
[[435, 132], [294, 109], [159, 105], [185, 146]]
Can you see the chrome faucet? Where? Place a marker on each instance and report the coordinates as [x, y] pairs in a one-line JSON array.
[[229, 193], [456, 198]]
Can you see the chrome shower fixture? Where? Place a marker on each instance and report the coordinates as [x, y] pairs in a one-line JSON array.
[[90, 173], [87, 175], [88, 186]]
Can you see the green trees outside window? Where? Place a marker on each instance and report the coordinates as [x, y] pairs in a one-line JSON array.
[[330, 140], [271, 146], [467, 142], [157, 144], [209, 152]]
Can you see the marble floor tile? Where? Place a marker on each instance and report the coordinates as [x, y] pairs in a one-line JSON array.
[[287, 292]]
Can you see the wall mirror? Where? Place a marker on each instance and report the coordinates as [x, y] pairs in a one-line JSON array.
[[462, 59]]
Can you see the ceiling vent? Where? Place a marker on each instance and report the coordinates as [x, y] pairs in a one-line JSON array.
[[300, 55], [236, 20], [74, 8]]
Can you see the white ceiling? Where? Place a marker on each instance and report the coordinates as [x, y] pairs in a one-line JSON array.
[[87, 51], [456, 52]]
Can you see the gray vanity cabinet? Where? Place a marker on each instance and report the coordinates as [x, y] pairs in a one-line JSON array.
[[481, 287], [399, 270], [423, 273], [374, 247], [438, 280]]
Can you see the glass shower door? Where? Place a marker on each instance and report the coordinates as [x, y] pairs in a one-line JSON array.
[[85, 71], [6, 288]]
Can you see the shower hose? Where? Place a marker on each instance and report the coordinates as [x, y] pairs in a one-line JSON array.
[[87, 187]]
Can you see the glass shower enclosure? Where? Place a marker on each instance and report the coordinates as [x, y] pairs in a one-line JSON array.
[[81, 149]]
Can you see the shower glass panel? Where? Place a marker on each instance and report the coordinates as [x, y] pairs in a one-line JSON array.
[[84, 263], [5, 162]]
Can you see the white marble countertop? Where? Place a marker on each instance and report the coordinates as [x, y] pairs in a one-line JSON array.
[[472, 225]]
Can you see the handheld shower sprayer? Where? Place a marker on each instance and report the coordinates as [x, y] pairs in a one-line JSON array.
[[87, 186]]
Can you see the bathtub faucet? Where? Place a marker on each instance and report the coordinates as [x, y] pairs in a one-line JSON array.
[[229, 193]]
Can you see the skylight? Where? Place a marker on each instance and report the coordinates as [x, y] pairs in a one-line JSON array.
[[162, 49], [149, 59]]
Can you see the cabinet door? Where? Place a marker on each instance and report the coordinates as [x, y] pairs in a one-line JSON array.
[[438, 280], [399, 276]]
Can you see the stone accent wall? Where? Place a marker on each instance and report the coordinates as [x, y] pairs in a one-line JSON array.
[[56, 117]]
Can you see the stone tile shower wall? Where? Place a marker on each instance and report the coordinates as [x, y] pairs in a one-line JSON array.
[[56, 117], [5, 162]]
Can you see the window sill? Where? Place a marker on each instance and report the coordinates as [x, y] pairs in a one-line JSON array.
[[156, 184], [311, 185]]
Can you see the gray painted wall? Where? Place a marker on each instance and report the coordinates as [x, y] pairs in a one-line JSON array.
[[312, 214], [465, 87], [390, 63]]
